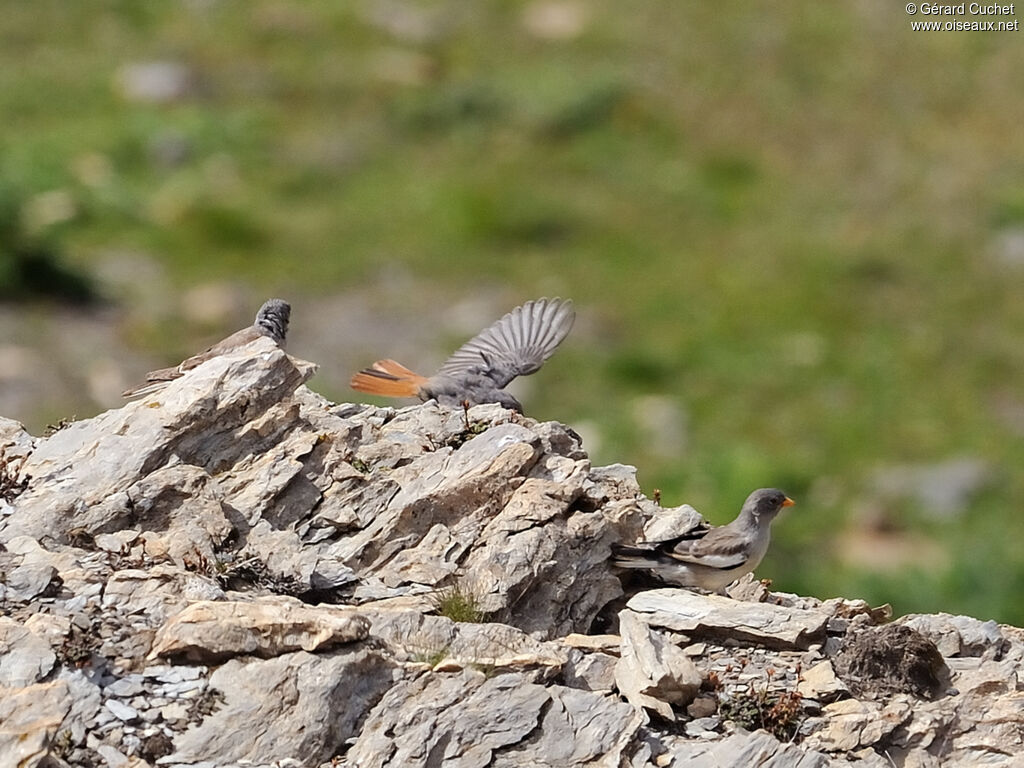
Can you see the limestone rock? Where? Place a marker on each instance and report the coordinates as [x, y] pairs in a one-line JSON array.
[[29, 718], [590, 671], [467, 719], [299, 706], [746, 749], [237, 518], [439, 641], [83, 476], [960, 635], [652, 672], [210, 632], [25, 658], [820, 682], [714, 616], [31, 579]]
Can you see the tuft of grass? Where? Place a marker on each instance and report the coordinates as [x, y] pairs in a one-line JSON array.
[[12, 482], [777, 712], [458, 604], [431, 656], [64, 423]]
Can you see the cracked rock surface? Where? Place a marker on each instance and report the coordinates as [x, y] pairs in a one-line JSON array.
[[236, 571]]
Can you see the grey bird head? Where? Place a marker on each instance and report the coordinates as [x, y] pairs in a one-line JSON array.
[[272, 319], [765, 503]]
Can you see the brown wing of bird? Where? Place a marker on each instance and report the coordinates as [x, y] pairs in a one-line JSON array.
[[156, 379], [388, 378]]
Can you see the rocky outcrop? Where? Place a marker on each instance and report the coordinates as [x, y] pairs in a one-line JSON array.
[[236, 571]]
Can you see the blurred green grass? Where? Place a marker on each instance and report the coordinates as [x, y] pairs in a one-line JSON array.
[[786, 225]]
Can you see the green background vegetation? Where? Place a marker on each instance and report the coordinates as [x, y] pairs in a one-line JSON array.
[[795, 234]]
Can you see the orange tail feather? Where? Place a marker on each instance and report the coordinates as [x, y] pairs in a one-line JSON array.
[[388, 378]]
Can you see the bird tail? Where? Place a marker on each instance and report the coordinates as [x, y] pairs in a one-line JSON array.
[[155, 381], [388, 378], [631, 557]]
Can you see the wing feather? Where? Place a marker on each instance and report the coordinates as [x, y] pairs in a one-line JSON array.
[[719, 548], [517, 344]]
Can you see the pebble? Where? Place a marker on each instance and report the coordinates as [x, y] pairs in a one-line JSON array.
[[173, 712], [121, 711], [103, 717], [125, 687], [114, 758], [703, 727], [183, 689]]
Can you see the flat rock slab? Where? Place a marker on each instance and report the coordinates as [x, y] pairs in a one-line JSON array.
[[25, 658], [469, 720], [652, 672], [750, 750], [208, 632], [714, 617], [29, 718], [451, 645], [298, 707]]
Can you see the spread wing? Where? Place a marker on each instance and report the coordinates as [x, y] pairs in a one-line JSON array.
[[517, 344]]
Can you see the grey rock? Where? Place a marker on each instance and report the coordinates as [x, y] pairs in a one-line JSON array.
[[121, 711], [747, 749], [652, 672], [590, 671], [30, 580], [269, 707], [236, 489], [157, 593], [126, 687], [174, 712], [960, 635], [113, 757], [25, 658], [118, 542], [669, 522], [450, 645], [702, 727], [713, 616], [81, 476], [820, 682], [467, 719], [183, 689], [29, 719], [210, 631]]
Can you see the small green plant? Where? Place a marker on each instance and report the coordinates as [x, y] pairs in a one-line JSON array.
[[53, 429], [62, 744], [78, 647], [777, 712], [458, 604], [431, 656], [251, 573], [208, 702], [12, 482]]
